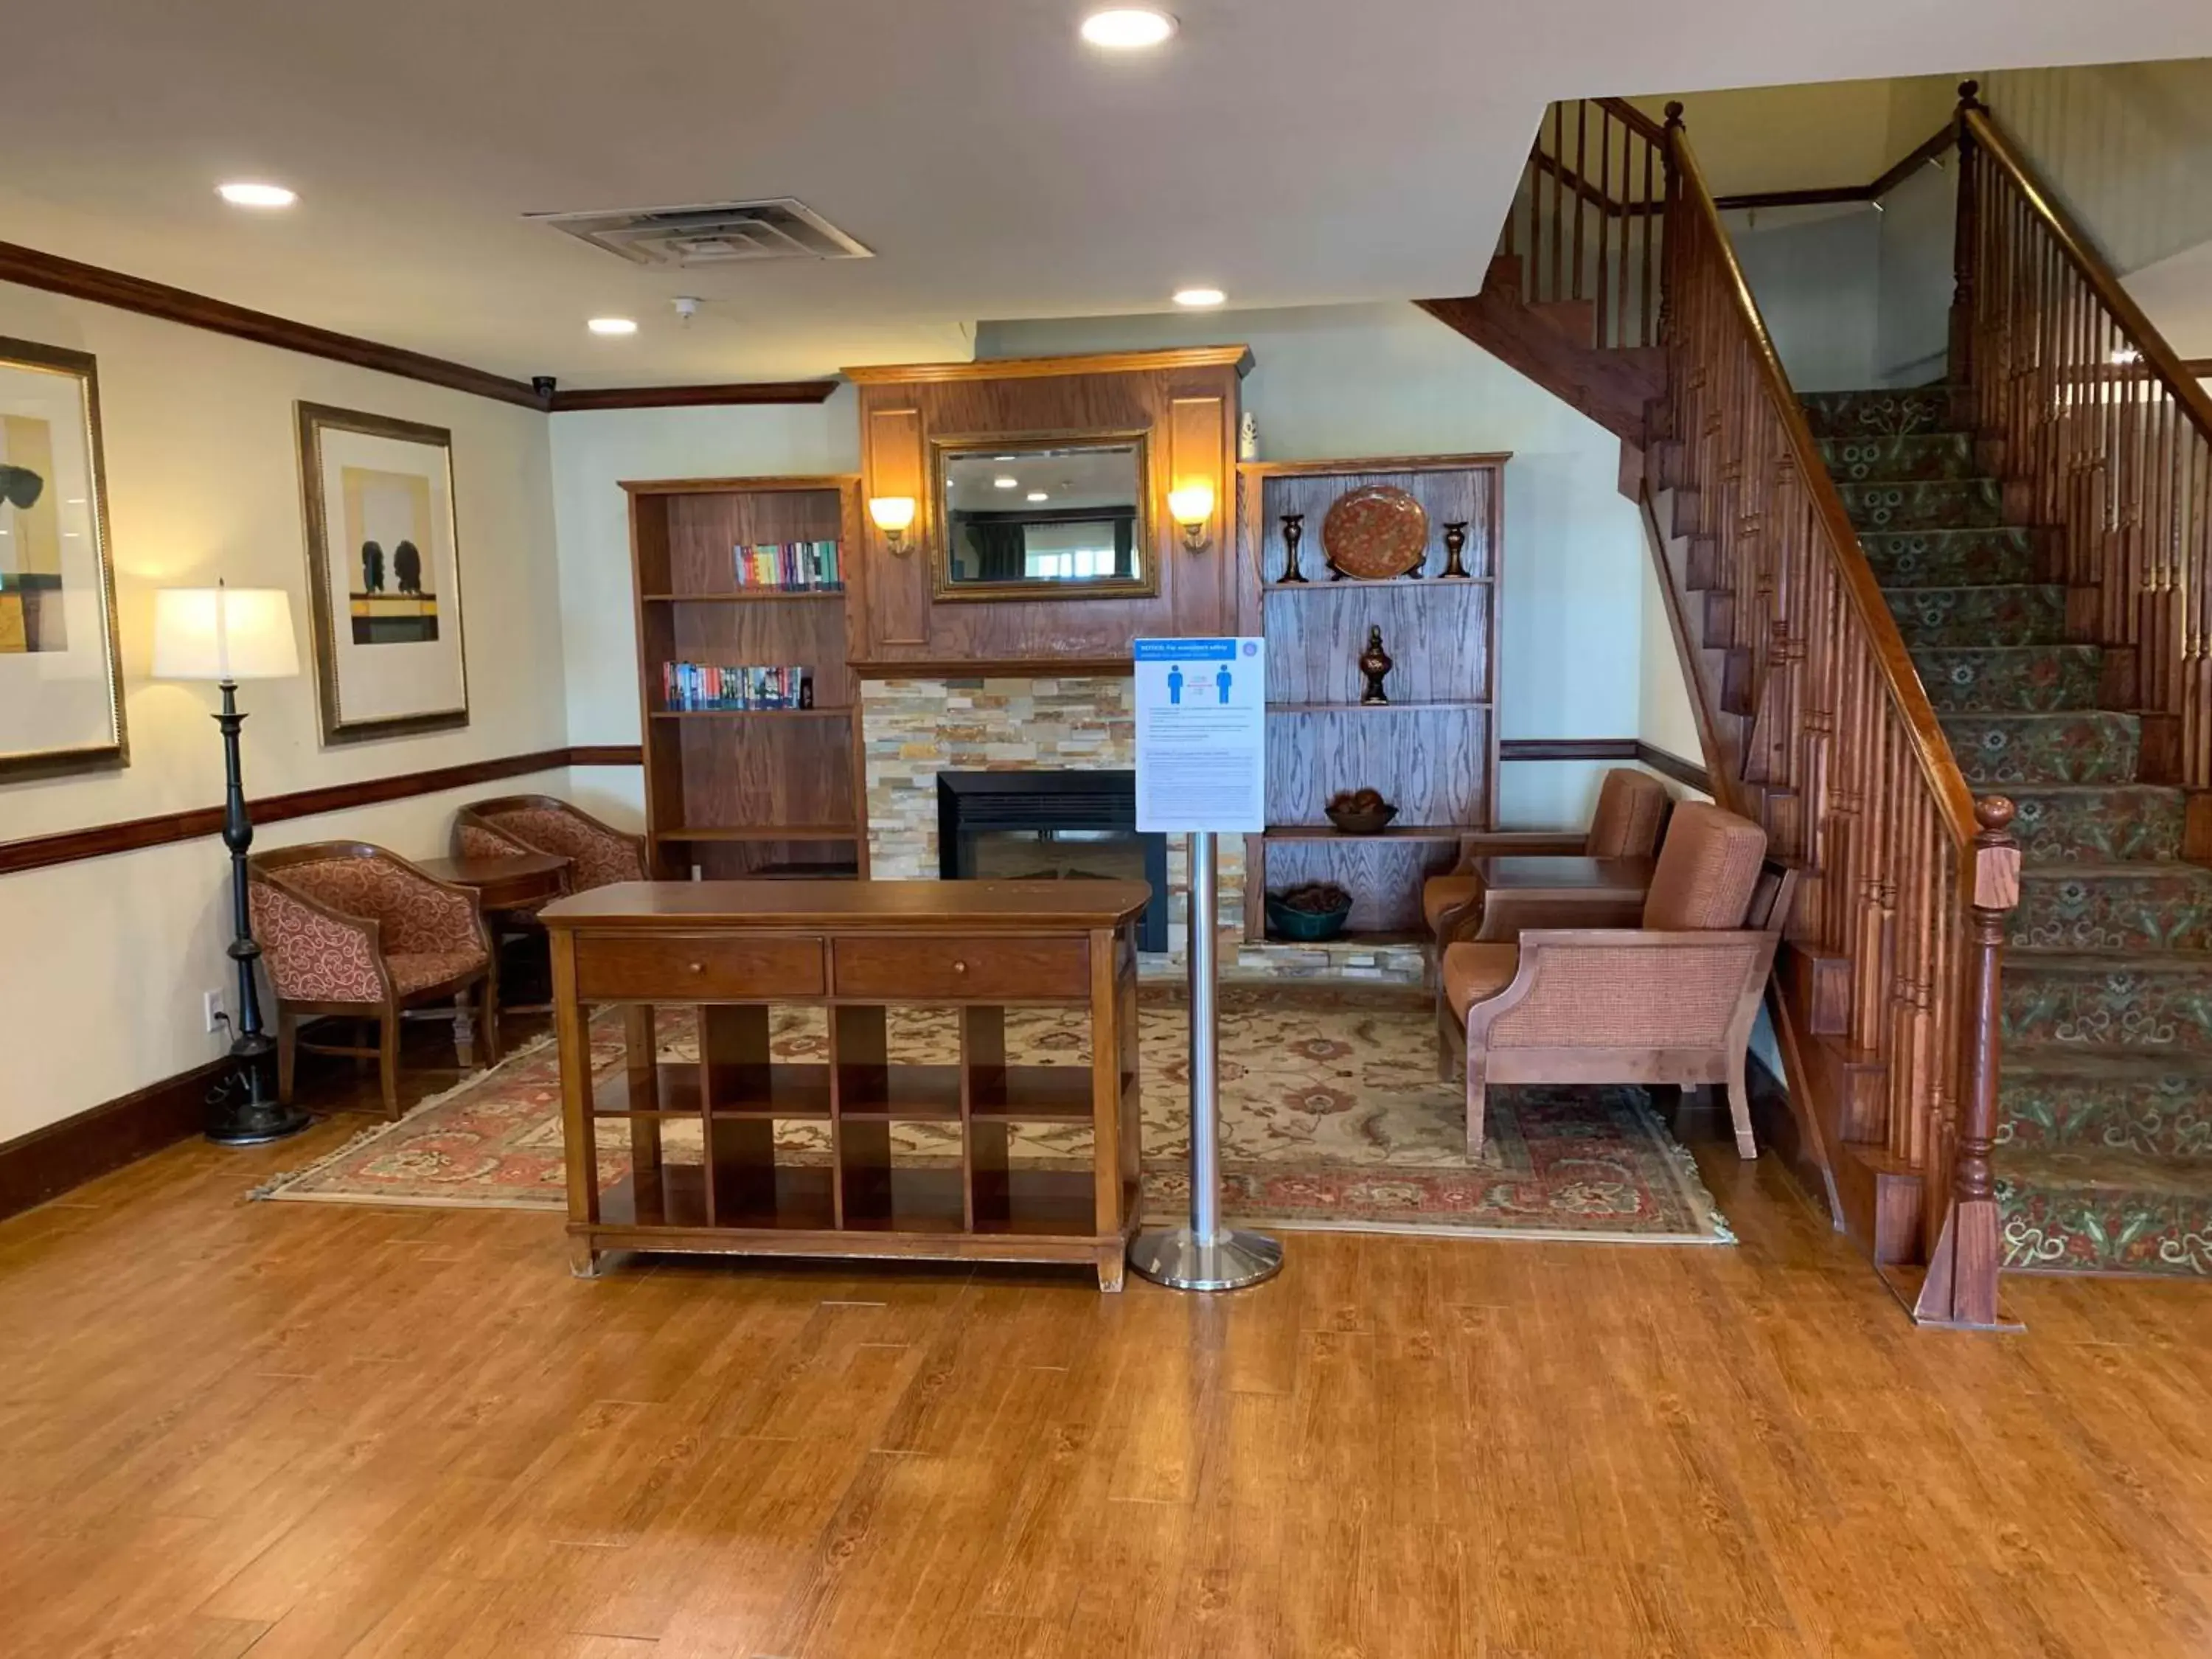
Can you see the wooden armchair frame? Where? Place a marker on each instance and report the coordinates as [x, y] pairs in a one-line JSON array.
[[1468, 921], [268, 869], [1550, 977]]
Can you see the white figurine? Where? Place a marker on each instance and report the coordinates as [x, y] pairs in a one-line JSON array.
[[1247, 437]]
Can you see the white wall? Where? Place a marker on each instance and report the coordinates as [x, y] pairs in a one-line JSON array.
[[102, 962], [1816, 275], [1343, 381]]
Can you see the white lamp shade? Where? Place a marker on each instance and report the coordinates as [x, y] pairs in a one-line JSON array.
[[223, 633], [1192, 504], [892, 512]]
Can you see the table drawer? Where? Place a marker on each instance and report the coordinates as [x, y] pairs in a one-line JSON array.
[[1008, 969], [688, 968]]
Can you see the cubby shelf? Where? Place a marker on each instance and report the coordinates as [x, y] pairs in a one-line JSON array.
[[1376, 707], [1329, 832], [744, 596], [1353, 583], [838, 712]]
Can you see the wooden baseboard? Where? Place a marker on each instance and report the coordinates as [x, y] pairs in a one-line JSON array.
[[56, 1156]]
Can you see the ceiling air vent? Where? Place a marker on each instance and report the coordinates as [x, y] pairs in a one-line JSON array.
[[715, 234]]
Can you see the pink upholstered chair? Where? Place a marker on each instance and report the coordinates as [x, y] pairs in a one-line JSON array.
[[598, 855], [350, 929], [1631, 806], [1672, 1001]]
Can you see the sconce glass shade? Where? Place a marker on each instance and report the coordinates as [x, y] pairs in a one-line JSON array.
[[223, 633], [1192, 504], [892, 513]]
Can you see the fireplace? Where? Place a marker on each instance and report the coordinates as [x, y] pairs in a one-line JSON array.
[[1052, 825]]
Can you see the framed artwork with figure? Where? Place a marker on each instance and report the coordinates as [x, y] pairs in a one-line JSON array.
[[384, 573], [61, 680]]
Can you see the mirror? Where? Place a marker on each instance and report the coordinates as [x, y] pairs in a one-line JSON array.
[[1062, 517]]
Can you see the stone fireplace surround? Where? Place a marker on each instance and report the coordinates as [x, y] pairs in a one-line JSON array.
[[913, 728]]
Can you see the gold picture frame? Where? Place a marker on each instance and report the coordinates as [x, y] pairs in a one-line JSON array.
[[61, 668], [391, 645]]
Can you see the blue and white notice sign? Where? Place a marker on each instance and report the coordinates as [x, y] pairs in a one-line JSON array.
[[1201, 735]]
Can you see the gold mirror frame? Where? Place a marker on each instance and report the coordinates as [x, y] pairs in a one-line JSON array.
[[943, 588]]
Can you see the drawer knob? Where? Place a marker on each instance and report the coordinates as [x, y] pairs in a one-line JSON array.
[[697, 967], [959, 967]]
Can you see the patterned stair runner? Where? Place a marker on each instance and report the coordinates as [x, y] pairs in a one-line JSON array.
[[2104, 1161]]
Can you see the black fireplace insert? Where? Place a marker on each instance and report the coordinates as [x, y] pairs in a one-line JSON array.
[[1051, 825]]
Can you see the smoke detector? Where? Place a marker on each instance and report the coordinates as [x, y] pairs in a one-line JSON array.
[[710, 234]]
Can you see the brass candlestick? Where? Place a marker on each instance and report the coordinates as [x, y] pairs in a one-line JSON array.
[[1294, 526], [1455, 545], [1375, 663]]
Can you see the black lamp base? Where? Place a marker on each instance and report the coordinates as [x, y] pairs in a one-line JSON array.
[[240, 1111]]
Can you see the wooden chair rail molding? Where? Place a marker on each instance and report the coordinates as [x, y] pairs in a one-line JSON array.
[[1835, 748], [32, 269], [193, 823], [2102, 432]]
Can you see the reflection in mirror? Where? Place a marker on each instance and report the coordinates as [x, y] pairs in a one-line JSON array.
[[1065, 518]]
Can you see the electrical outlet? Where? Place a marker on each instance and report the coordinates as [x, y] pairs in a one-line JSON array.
[[212, 1011]]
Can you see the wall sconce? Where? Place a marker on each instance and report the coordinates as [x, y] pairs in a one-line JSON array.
[[1191, 506], [893, 515]]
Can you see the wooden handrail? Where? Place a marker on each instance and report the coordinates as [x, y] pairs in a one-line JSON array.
[[1633, 118], [1931, 749], [2081, 253], [1921, 154]]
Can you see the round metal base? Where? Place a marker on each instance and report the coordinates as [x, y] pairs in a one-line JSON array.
[[255, 1125], [1179, 1259]]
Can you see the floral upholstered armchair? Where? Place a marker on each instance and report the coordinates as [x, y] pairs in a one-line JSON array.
[[1632, 806], [598, 855], [350, 929], [1672, 1001]]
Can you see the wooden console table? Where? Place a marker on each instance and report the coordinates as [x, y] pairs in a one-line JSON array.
[[729, 950]]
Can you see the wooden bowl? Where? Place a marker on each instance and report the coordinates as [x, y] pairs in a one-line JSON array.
[[1361, 823]]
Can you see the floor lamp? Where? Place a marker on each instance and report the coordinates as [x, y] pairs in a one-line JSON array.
[[227, 635]]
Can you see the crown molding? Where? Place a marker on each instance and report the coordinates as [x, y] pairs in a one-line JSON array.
[[1032, 368]]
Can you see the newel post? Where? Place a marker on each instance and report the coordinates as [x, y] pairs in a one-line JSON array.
[[1966, 242], [1669, 225], [1961, 1286]]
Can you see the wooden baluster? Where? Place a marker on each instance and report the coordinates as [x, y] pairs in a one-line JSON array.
[[1961, 1285], [1604, 220], [1965, 237], [1558, 195], [1582, 178]]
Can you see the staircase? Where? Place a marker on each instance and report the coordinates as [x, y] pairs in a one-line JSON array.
[[2104, 1139]]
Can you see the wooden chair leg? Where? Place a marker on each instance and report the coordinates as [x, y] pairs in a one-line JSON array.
[[387, 1059], [490, 994], [465, 1028], [287, 1053], [1740, 1109], [1477, 1100]]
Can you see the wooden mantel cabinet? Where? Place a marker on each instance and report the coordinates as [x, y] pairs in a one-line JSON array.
[[1186, 401]]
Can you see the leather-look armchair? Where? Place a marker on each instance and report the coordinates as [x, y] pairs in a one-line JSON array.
[[351, 929], [1632, 806], [1672, 1001]]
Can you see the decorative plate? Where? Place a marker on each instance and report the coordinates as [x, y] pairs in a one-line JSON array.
[[1375, 532]]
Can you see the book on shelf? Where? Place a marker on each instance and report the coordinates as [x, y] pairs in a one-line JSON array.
[[690, 687], [789, 567]]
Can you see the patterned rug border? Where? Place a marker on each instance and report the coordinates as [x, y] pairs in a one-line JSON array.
[[285, 1185]]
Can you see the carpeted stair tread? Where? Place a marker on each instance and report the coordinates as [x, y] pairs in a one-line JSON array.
[[2083, 746], [2017, 614], [2089, 1062], [1932, 557], [2052, 1094], [1913, 458], [2105, 1209], [1933, 504], [2082, 905], [2103, 823], [2009, 679], [1879, 411]]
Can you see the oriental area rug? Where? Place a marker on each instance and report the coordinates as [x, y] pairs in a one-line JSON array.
[[1331, 1117]]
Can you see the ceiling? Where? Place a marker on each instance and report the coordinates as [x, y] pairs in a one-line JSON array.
[[1292, 152]]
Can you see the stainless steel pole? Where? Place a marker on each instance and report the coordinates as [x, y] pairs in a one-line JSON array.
[[1204, 1255]]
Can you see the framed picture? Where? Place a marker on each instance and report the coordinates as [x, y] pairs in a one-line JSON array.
[[383, 574], [61, 683]]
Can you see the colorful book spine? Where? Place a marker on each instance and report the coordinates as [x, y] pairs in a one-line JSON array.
[[693, 688], [791, 568]]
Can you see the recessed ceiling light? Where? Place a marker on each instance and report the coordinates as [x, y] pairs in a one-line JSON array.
[[1128, 28], [1199, 296], [1006, 484], [1037, 495], [611, 326], [243, 194]]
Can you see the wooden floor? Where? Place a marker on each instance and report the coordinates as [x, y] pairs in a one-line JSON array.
[[329, 1431]]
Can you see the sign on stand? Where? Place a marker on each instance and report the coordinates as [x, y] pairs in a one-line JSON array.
[[1202, 771]]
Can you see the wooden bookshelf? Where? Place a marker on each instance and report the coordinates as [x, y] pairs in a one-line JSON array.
[[731, 792], [1432, 749]]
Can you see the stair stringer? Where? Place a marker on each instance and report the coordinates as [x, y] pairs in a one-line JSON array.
[[1610, 387]]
